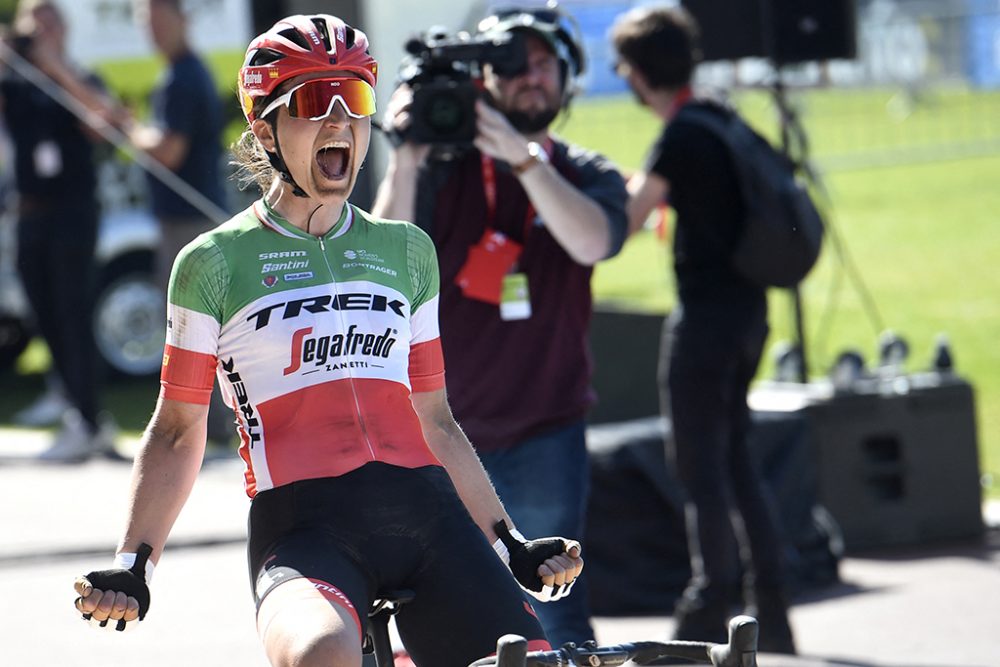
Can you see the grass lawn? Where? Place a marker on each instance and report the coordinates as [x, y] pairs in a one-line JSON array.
[[922, 237]]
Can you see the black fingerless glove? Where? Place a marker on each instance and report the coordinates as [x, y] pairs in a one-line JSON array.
[[131, 582], [526, 556]]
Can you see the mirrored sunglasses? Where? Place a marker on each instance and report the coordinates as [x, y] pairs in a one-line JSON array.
[[314, 99]]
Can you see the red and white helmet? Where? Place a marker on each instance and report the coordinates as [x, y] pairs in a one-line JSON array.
[[302, 44]]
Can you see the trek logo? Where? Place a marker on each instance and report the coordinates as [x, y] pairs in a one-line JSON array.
[[251, 424], [327, 303], [319, 350]]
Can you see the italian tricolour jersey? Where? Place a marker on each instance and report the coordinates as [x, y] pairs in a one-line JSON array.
[[317, 342]]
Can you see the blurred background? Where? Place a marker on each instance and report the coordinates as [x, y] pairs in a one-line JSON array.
[[895, 105], [904, 136]]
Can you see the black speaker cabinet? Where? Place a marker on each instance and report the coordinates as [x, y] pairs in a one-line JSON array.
[[899, 468], [788, 31]]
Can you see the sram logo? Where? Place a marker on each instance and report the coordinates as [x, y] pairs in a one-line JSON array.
[[327, 303]]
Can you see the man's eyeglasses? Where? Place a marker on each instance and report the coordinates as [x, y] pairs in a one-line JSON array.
[[314, 99]]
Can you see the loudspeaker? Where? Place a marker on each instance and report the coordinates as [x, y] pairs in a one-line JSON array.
[[805, 30], [899, 468], [787, 31]]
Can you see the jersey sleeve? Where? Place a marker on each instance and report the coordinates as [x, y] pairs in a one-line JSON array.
[[195, 299], [426, 359]]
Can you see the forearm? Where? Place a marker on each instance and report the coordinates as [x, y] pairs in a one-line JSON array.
[[396, 198], [575, 220], [163, 475], [456, 454]]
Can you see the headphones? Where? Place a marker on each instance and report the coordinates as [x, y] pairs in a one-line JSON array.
[[558, 28]]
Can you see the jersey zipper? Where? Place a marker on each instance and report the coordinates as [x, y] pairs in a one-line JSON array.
[[350, 376]]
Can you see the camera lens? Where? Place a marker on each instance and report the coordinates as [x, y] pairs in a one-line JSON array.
[[445, 113]]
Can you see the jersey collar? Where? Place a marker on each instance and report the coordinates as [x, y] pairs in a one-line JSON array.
[[275, 222]]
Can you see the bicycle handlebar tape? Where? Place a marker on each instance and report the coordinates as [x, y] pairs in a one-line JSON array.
[[741, 651], [512, 651], [131, 582], [527, 555]]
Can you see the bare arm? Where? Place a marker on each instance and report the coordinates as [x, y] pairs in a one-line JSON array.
[[452, 448], [164, 473], [397, 193], [646, 191], [576, 221], [167, 148]]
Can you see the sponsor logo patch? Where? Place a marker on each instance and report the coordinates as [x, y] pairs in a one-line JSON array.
[[269, 281]]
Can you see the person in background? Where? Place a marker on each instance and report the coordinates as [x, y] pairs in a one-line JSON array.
[[360, 479], [57, 216], [185, 136], [519, 218], [712, 341]]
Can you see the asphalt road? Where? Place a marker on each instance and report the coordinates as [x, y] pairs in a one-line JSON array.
[[927, 606]]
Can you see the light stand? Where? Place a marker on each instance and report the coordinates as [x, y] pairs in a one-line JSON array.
[[793, 141]]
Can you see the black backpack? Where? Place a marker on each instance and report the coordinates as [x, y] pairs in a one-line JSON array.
[[783, 231]]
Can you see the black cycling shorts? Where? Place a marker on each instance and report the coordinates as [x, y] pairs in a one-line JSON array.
[[382, 527]]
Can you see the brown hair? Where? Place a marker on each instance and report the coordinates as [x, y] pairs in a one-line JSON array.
[[660, 42]]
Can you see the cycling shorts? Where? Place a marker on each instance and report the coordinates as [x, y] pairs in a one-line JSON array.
[[380, 528]]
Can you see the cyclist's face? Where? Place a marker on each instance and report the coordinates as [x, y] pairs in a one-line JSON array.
[[325, 155]]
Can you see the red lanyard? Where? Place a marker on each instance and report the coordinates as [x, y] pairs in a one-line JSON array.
[[490, 190], [682, 98]]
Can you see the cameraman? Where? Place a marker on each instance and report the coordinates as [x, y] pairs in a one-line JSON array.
[[518, 220], [57, 212]]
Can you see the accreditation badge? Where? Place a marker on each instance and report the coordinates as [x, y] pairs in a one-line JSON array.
[[481, 277], [515, 302]]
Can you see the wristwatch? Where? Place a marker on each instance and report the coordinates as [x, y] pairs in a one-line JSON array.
[[536, 155]]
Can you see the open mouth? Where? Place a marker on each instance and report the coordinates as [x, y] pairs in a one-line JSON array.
[[334, 160]]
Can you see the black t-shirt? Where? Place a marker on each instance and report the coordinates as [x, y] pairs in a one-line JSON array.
[[509, 380], [53, 157], [186, 103], [705, 193]]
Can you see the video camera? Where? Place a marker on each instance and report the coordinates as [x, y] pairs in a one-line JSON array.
[[443, 72]]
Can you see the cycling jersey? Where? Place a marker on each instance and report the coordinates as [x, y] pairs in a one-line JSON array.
[[317, 342]]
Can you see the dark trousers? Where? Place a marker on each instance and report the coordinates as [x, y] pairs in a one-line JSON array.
[[708, 358], [57, 267]]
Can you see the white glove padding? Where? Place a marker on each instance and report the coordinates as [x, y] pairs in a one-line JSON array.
[[524, 557]]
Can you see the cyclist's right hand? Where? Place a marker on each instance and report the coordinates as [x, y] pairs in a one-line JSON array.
[[117, 594]]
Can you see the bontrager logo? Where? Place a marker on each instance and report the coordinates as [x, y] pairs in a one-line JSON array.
[[318, 350], [327, 303]]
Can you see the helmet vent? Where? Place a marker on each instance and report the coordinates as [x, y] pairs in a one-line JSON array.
[[264, 57], [294, 36], [324, 32], [349, 38]]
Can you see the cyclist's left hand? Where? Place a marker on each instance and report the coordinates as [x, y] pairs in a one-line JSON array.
[[545, 568]]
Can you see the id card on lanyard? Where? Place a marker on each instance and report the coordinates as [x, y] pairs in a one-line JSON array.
[[490, 273]]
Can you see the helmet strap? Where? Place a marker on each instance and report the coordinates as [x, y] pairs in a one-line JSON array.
[[278, 164]]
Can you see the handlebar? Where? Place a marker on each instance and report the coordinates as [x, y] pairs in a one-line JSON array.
[[740, 651]]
